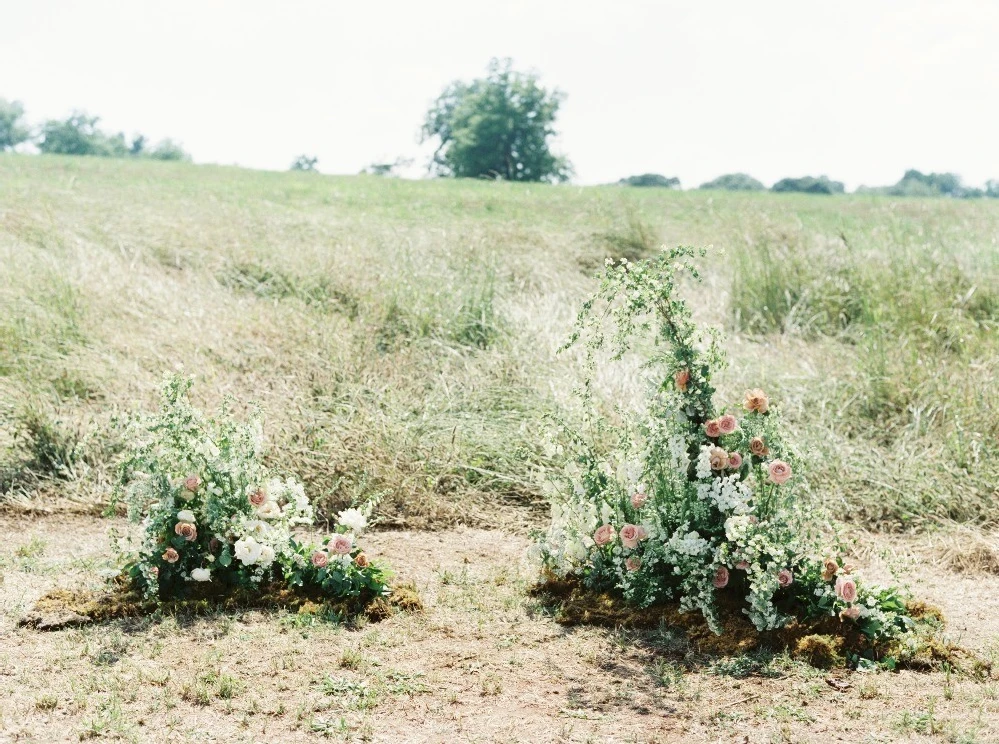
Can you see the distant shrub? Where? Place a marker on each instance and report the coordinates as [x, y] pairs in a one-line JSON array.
[[808, 185], [79, 135], [655, 180], [916, 183], [992, 189], [166, 150], [305, 163], [734, 182], [12, 128], [387, 169]]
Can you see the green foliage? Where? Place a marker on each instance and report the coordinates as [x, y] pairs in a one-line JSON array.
[[13, 130], [305, 163], [387, 169], [915, 183], [655, 180], [808, 185], [497, 127], [79, 135], [734, 182]]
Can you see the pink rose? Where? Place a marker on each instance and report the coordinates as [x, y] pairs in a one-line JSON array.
[[712, 429], [186, 530], [734, 460], [756, 400], [682, 378], [170, 555], [630, 535], [638, 499], [341, 544], [718, 458], [192, 483], [784, 578], [779, 472], [642, 532], [154, 571], [727, 424], [850, 612], [721, 577], [362, 560], [742, 565], [320, 558], [829, 569], [258, 498], [633, 564], [603, 535], [846, 589]]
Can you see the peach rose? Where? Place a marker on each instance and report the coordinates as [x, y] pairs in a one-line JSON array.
[[682, 378], [633, 564], [630, 535], [756, 400], [712, 429], [850, 612], [642, 532], [721, 577], [758, 447], [154, 571], [785, 578], [341, 544], [846, 589], [362, 560], [320, 558], [638, 499], [829, 569], [192, 483], [779, 472], [258, 498], [718, 458], [742, 565], [734, 460], [603, 535], [186, 530], [170, 555], [728, 423]]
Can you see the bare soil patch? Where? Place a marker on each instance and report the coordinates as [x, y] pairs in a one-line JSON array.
[[485, 662]]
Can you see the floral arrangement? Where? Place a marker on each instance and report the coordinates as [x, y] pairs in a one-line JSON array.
[[215, 519], [690, 503]]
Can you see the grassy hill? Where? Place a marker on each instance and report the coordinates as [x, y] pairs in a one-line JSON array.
[[401, 336]]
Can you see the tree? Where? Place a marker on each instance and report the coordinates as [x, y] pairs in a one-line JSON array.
[[734, 182], [79, 135], [13, 131], [992, 189], [305, 163], [651, 179], [498, 126], [808, 185]]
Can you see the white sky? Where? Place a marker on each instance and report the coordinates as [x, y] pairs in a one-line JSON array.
[[856, 89]]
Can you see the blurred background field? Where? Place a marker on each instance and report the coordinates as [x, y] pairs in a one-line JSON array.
[[400, 336]]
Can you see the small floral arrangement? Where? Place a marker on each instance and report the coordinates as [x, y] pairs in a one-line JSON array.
[[215, 519], [690, 503]]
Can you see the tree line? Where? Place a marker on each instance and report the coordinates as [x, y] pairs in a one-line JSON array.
[[78, 134]]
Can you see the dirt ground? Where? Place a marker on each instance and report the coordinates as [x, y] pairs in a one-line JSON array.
[[484, 663]]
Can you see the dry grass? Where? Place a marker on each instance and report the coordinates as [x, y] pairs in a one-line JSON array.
[[483, 663]]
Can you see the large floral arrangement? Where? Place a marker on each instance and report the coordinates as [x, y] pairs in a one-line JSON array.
[[688, 502], [215, 519]]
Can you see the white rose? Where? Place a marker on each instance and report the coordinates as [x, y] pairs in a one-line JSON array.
[[353, 519], [269, 510], [201, 574], [256, 527], [248, 550], [185, 515], [266, 555]]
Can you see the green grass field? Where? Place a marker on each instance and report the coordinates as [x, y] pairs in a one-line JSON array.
[[401, 340], [400, 336]]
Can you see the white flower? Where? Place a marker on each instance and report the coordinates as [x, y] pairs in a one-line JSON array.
[[201, 574], [269, 510], [353, 520], [256, 527], [185, 515], [266, 555], [248, 550]]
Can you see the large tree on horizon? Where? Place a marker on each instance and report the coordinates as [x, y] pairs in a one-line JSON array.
[[497, 127]]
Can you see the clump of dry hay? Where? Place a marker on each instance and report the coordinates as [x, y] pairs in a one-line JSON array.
[[62, 608], [825, 642]]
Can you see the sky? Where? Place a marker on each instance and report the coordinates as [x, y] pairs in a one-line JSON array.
[[859, 90]]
